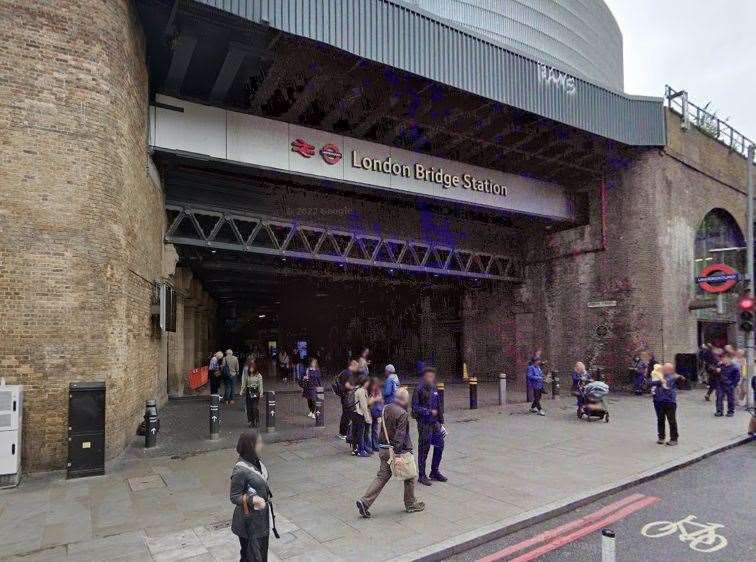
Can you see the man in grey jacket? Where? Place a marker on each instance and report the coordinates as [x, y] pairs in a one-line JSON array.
[[229, 372], [396, 420]]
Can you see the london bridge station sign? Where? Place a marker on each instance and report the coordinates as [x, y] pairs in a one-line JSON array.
[[186, 127]]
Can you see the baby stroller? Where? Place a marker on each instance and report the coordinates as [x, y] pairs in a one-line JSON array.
[[592, 401]]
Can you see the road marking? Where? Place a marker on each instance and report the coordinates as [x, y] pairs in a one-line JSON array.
[[701, 538], [609, 513], [560, 541]]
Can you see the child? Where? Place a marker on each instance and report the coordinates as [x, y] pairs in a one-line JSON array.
[[664, 385], [361, 418], [376, 411]]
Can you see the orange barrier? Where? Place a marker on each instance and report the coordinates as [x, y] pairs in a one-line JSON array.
[[197, 378]]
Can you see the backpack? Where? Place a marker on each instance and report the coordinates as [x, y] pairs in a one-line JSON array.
[[225, 369]]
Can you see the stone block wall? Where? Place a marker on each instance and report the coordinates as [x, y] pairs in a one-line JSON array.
[[81, 221]]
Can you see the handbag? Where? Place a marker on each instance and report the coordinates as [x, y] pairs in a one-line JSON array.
[[405, 471]]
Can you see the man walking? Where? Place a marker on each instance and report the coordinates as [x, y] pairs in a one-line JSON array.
[[229, 371], [428, 411], [729, 377], [535, 383], [395, 433], [341, 390], [391, 384]]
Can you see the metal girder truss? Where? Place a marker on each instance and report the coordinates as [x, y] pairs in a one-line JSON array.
[[289, 238]]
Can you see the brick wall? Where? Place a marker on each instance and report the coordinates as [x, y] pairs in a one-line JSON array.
[[80, 220]]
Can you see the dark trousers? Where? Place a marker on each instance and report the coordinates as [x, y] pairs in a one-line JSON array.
[[311, 405], [537, 392], [712, 383], [228, 388], [724, 389], [428, 434], [358, 432], [666, 411], [215, 382], [262, 544], [253, 409], [638, 383], [375, 433], [344, 421]]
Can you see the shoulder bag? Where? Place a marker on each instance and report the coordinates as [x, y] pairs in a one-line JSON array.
[[408, 469]]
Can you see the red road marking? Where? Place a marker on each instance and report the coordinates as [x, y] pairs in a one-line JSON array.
[[559, 542], [551, 533]]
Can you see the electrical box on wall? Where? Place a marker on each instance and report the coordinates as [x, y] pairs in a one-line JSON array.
[[11, 398], [164, 306]]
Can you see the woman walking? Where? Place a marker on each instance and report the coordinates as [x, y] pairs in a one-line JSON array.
[[252, 390], [536, 383], [664, 382], [310, 383], [251, 495]]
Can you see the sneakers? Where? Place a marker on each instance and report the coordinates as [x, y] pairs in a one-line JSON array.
[[672, 443], [362, 508], [438, 477], [415, 507], [660, 441], [718, 415], [541, 413], [342, 437], [707, 397], [533, 410], [362, 454], [424, 480], [730, 414], [310, 415]]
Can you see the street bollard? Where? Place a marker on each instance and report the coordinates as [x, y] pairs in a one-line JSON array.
[[441, 387], [473, 393], [554, 384], [319, 406], [214, 416], [608, 552], [151, 423], [502, 389], [270, 411]]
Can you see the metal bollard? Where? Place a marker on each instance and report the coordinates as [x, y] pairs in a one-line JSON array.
[[441, 387], [214, 416], [270, 411], [608, 552], [502, 389], [554, 384], [319, 406], [151, 423], [473, 382]]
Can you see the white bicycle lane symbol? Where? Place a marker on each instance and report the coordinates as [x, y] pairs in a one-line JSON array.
[[699, 536]]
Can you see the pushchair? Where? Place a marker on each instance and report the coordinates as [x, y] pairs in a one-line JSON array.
[[592, 401]]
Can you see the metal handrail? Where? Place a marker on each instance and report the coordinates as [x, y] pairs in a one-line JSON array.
[[705, 121]]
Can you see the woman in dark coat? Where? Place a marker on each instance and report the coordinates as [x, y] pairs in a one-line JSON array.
[[251, 496], [310, 382]]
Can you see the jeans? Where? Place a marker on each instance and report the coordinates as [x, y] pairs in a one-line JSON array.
[[253, 409], [638, 383], [375, 433], [537, 392], [429, 434], [215, 382], [367, 437], [666, 411], [228, 388], [382, 478], [725, 389], [358, 433], [344, 421], [262, 544]]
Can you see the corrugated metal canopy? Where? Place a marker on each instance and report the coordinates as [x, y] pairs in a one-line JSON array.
[[407, 38]]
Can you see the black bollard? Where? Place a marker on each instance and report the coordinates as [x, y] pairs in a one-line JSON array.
[[270, 411], [554, 384], [151, 423], [473, 382], [319, 406], [441, 387], [214, 416]]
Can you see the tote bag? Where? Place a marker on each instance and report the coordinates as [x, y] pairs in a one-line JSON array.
[[405, 471]]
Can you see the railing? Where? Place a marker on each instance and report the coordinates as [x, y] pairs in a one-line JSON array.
[[706, 122]]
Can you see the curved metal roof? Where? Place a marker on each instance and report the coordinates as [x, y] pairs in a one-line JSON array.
[[398, 35]]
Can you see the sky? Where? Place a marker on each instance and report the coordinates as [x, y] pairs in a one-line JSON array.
[[707, 47]]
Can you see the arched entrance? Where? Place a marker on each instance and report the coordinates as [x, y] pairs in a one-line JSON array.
[[718, 239]]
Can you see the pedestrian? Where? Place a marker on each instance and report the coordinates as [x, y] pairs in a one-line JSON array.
[[741, 390], [580, 378], [361, 419], [664, 382], [713, 368], [391, 383], [395, 437], [536, 381], [229, 371], [429, 413], [311, 380], [251, 495], [341, 388], [214, 372], [640, 368], [729, 377], [252, 389], [284, 365], [364, 362], [376, 411]]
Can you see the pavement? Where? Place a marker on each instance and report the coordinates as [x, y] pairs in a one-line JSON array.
[[502, 464], [719, 490]]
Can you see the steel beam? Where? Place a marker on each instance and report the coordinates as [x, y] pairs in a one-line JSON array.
[[183, 49]]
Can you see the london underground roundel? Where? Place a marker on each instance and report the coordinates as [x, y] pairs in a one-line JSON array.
[[717, 278], [330, 153]]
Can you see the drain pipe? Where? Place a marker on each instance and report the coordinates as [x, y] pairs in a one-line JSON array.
[[600, 247]]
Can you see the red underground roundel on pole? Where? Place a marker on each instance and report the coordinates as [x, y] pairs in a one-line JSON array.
[[717, 278]]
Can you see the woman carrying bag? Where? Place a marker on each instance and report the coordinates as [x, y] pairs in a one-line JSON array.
[[395, 454], [251, 495], [252, 390]]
